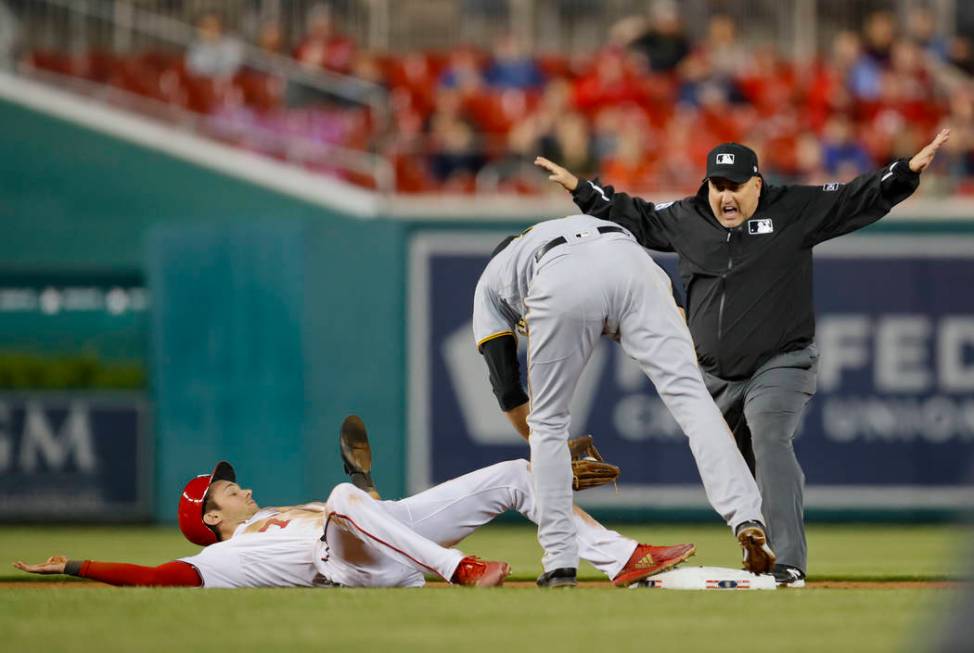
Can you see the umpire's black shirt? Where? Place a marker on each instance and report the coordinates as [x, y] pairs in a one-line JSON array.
[[749, 289]]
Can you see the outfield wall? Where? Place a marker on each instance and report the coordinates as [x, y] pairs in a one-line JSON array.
[[271, 314]]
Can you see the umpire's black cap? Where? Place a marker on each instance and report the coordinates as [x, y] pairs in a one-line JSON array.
[[732, 161]]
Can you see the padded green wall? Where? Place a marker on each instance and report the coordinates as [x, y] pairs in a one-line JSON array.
[[265, 335]]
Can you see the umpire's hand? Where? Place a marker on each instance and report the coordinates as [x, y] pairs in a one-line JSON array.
[[558, 174], [924, 157]]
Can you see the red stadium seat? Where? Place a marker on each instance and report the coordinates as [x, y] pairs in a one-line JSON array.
[[55, 62], [260, 91]]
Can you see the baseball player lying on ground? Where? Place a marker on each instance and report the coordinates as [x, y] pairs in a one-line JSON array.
[[354, 540]]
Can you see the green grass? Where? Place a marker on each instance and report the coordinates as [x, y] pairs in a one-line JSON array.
[[459, 620], [840, 552], [83, 619]]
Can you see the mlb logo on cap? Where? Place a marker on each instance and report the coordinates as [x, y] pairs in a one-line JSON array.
[[732, 161]]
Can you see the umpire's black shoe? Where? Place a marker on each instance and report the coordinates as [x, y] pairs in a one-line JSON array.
[[788, 576], [561, 577]]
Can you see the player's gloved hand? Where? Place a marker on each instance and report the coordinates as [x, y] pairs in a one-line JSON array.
[[558, 174], [589, 469], [54, 565]]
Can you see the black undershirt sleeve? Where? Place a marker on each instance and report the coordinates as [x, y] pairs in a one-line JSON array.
[[505, 373]]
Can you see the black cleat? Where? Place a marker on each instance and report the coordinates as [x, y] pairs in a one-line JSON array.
[[561, 577], [788, 576], [357, 454]]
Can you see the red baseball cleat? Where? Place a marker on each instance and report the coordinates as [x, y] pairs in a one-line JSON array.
[[474, 572], [647, 560]]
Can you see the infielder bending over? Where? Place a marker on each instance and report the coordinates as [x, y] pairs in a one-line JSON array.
[[745, 251], [353, 540], [571, 281]]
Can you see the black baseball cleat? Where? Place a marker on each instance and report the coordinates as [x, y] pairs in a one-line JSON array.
[[788, 576], [758, 556], [561, 577], [357, 454]]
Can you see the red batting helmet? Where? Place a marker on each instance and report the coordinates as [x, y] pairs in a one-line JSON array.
[[191, 504]]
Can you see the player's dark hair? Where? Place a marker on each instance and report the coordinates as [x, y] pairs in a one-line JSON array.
[[209, 503]]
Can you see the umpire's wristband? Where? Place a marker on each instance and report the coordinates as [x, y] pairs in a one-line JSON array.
[[73, 567], [903, 171]]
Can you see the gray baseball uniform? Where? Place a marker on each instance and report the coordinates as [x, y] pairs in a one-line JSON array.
[[571, 281]]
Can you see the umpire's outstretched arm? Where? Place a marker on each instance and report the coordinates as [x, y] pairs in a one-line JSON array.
[[637, 215], [834, 209], [868, 197]]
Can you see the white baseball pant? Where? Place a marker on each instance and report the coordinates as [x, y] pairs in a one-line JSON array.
[[371, 543]]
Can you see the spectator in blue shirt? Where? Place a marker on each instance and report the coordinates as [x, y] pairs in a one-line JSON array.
[[841, 154], [512, 67]]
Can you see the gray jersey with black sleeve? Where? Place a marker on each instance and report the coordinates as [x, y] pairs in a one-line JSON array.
[[499, 298]]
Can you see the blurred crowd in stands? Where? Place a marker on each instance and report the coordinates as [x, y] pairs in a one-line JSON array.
[[640, 113]]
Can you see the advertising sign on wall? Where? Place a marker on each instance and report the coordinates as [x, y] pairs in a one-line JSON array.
[[74, 456]]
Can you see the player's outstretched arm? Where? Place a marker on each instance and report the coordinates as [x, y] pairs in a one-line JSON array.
[[922, 159], [557, 174], [170, 574]]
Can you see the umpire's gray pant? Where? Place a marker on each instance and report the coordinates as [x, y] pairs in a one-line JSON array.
[[764, 413]]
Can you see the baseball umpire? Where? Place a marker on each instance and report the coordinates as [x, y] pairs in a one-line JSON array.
[[745, 258]]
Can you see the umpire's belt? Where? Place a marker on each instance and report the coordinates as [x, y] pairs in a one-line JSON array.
[[561, 240]]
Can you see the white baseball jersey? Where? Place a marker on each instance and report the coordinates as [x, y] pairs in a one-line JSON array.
[[274, 548]]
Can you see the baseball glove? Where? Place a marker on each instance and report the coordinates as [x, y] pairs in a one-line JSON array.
[[589, 469], [357, 454]]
